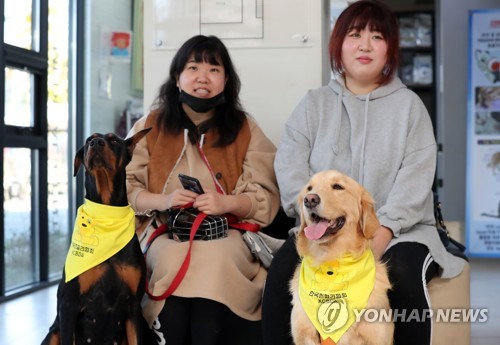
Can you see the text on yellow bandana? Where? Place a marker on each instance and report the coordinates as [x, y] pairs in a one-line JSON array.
[[330, 292], [100, 232]]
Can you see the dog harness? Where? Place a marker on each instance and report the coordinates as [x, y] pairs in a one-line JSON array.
[[100, 232], [330, 293]]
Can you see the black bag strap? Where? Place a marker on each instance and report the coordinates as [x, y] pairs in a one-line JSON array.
[[452, 245], [438, 214]]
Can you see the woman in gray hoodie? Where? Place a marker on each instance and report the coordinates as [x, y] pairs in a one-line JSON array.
[[368, 125]]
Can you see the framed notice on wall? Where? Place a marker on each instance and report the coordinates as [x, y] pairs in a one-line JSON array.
[[239, 23], [483, 135]]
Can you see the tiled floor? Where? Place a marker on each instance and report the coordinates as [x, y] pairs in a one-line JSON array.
[[26, 320], [485, 293]]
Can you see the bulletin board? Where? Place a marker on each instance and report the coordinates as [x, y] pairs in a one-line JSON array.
[[483, 137], [240, 23]]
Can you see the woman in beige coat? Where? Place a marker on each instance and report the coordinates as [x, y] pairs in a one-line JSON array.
[[201, 130]]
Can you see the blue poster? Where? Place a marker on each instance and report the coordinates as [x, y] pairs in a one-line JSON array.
[[483, 135]]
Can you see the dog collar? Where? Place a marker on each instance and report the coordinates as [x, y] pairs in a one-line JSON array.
[[332, 291], [100, 232]]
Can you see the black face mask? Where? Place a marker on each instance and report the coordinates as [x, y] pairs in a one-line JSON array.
[[201, 105]]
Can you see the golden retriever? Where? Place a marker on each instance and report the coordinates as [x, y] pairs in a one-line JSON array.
[[337, 222]]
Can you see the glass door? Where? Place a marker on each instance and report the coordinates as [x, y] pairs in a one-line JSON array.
[[35, 98]]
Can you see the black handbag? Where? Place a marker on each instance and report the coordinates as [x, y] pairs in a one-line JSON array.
[[452, 246]]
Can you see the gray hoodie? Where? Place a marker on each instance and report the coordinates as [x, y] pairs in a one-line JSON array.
[[384, 140]]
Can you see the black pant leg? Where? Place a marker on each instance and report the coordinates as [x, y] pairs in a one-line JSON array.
[[172, 325], [200, 321], [207, 322], [277, 300], [410, 267], [239, 331]]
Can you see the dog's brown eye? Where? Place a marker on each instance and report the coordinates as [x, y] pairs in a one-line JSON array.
[[309, 188], [337, 186]]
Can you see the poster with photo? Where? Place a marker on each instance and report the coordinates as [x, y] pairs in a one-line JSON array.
[[121, 46], [483, 135]]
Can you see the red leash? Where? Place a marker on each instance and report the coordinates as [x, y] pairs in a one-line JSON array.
[[185, 264], [232, 221]]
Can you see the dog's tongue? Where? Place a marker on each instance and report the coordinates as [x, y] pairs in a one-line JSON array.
[[316, 230]]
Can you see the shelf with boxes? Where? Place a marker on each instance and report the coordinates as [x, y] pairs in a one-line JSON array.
[[417, 55], [417, 48]]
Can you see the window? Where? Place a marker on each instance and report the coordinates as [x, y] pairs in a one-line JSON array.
[[36, 94], [20, 24]]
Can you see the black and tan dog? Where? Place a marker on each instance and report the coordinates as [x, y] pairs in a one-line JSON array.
[[98, 298]]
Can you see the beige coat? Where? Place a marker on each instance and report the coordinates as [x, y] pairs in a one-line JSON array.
[[223, 270]]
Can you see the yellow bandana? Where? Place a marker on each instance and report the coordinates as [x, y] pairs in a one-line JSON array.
[[329, 293], [100, 232]]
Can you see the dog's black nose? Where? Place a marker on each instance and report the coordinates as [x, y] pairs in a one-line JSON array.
[[97, 141], [311, 200]]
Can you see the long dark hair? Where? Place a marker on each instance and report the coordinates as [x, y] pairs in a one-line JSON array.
[[229, 116], [379, 17]]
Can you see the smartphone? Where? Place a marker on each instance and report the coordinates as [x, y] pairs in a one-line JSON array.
[[191, 183]]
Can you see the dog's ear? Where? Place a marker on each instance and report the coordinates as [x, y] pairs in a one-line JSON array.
[[368, 221], [132, 141], [78, 161]]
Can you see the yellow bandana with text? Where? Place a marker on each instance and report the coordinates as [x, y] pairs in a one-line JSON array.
[[332, 291], [100, 232]]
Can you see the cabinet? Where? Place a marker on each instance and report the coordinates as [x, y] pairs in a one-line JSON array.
[[417, 56]]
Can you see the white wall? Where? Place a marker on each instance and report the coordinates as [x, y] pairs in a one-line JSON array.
[[273, 78]]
